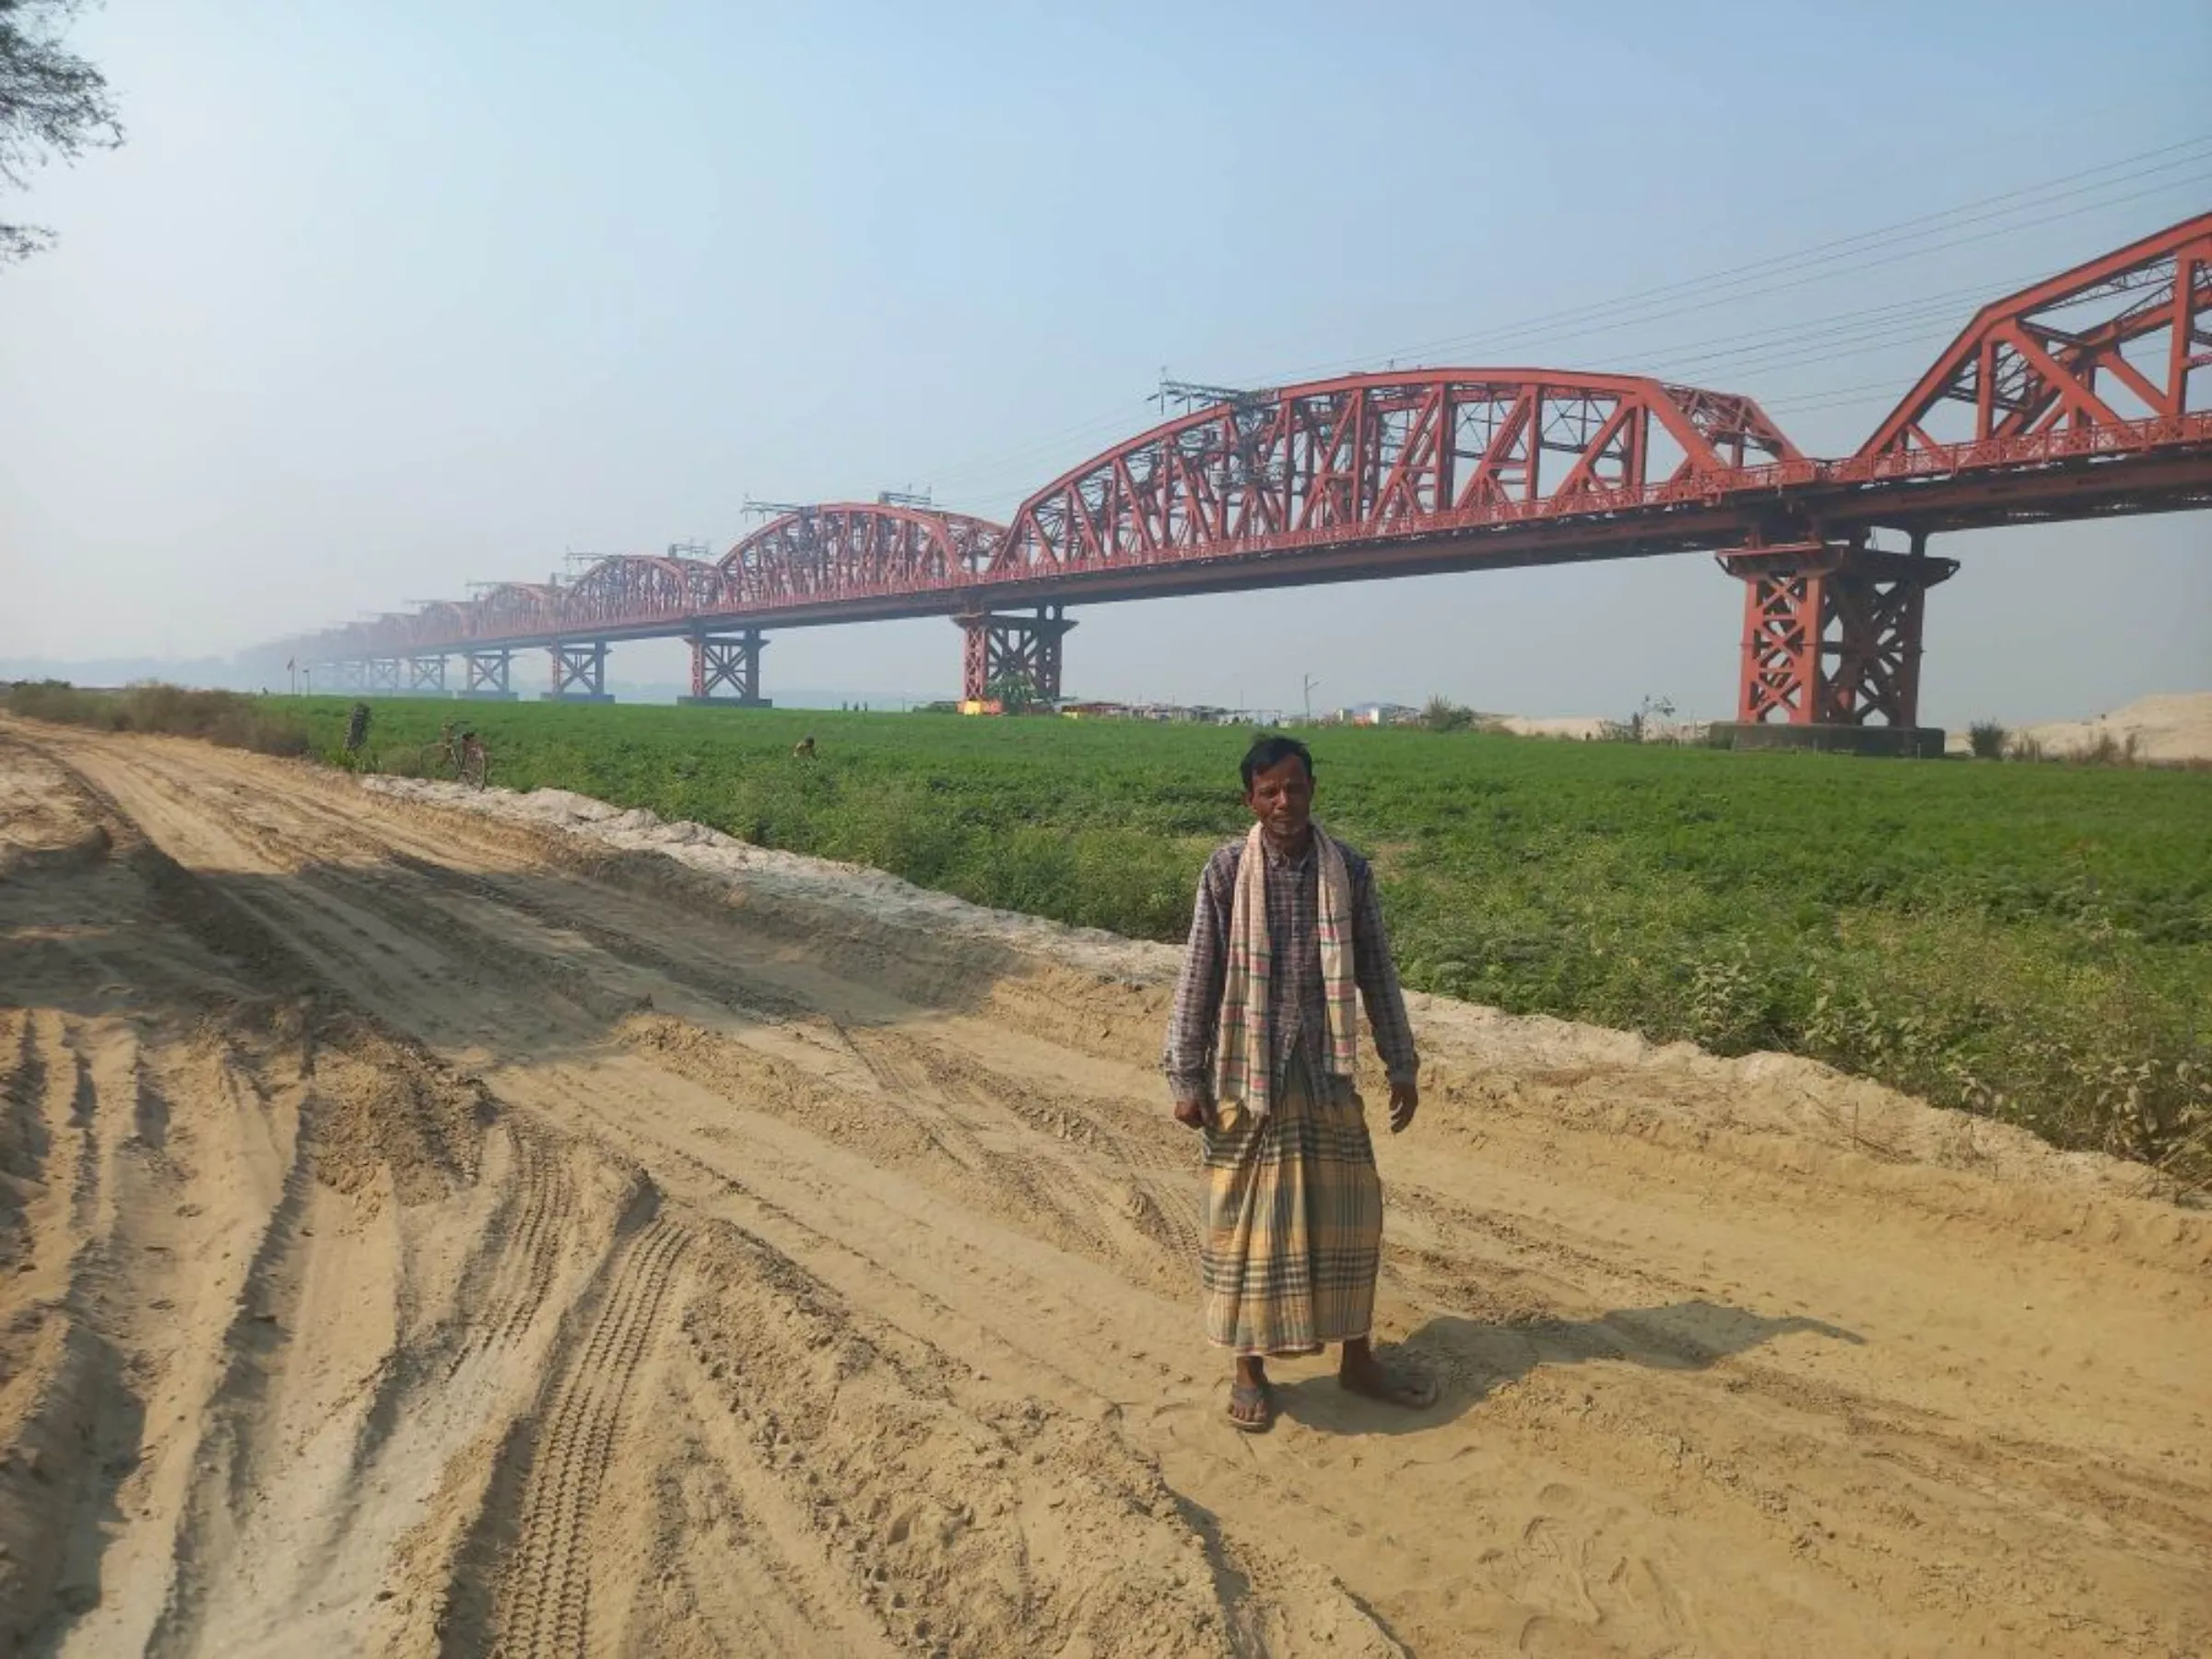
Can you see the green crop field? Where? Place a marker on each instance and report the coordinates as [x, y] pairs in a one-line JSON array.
[[2033, 942]]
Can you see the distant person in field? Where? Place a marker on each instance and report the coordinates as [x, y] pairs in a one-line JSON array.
[[1286, 936], [803, 749]]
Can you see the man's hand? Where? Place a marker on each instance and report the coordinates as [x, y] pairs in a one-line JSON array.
[[1404, 1101], [1194, 1114]]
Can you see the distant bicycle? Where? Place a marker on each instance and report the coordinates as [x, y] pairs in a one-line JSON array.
[[460, 755]]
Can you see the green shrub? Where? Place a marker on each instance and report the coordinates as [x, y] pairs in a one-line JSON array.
[[1442, 714], [2109, 748], [230, 718]]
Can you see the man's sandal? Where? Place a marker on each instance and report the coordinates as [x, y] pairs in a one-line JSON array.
[[1250, 1396]]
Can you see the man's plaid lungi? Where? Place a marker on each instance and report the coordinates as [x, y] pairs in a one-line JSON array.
[[1293, 1221]]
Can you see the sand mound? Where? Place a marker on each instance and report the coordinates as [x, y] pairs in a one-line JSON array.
[[1575, 727], [2173, 728]]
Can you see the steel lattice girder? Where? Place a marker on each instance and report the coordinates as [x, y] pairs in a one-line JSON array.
[[2056, 356], [1428, 451], [440, 624], [515, 610], [628, 588], [847, 549]]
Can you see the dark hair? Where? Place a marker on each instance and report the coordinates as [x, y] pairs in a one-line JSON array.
[[1268, 753]]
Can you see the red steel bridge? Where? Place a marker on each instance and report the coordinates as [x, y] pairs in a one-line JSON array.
[[2087, 395]]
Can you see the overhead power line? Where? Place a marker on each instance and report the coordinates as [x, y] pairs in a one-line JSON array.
[[1737, 282], [1898, 243], [1614, 316]]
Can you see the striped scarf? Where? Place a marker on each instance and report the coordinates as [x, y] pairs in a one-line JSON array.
[[1243, 1051]]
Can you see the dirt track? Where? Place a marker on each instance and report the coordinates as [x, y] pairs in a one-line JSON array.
[[421, 1233]]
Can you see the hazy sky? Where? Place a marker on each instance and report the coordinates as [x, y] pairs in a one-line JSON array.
[[380, 299]]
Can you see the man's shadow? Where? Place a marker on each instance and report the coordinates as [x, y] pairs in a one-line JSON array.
[[1470, 1358]]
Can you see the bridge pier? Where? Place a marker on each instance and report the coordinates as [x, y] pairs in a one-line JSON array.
[[1003, 653], [579, 672], [488, 675], [348, 674], [425, 674], [725, 671], [1832, 645]]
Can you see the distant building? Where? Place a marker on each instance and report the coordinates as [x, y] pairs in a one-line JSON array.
[[1168, 713], [1378, 714]]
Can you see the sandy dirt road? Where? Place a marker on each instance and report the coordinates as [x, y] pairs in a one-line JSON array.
[[426, 1234]]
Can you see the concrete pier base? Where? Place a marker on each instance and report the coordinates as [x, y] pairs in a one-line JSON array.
[[1914, 743]]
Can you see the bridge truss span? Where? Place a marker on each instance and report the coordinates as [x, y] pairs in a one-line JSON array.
[[2087, 395], [2024, 412], [516, 610], [855, 551], [2102, 348], [1380, 458], [630, 589]]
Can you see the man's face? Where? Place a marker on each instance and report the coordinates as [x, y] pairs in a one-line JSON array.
[[1282, 798]]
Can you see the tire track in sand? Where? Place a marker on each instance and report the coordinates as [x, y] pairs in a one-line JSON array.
[[522, 1251], [545, 1592]]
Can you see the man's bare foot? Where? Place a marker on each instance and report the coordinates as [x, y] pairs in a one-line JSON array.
[[1362, 1373], [1251, 1400]]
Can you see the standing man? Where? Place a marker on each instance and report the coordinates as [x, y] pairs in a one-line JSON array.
[[1259, 1057]]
